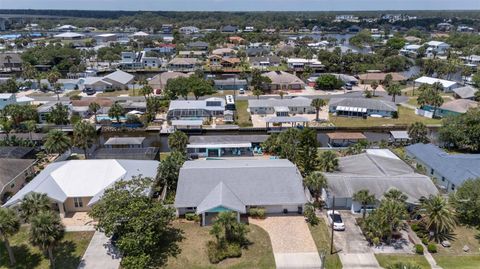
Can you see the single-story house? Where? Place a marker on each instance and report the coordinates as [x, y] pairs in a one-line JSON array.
[[380, 77], [449, 170], [46, 108], [160, 81], [447, 85], [105, 38], [466, 92], [7, 99], [209, 187], [230, 84], [76, 185], [437, 47], [299, 64], [69, 36], [284, 81], [264, 62], [455, 107], [196, 109], [281, 107], [378, 171], [119, 79], [399, 137], [229, 29], [183, 64], [13, 176], [81, 107], [410, 50], [197, 45], [225, 145], [362, 107]]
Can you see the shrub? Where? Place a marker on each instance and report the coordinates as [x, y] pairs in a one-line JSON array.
[[192, 217], [219, 252], [425, 241], [432, 248], [310, 215], [419, 249], [257, 213], [415, 227]]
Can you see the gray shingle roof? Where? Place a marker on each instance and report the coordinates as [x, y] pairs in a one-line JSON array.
[[466, 92], [222, 196], [15, 152], [455, 167], [368, 103], [253, 182], [272, 102], [378, 171], [120, 77], [10, 168]]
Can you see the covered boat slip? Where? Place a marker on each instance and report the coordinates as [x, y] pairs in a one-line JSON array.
[[278, 122], [339, 139]]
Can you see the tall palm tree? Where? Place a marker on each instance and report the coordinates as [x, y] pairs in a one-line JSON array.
[[9, 225], [328, 161], [146, 91], [116, 111], [52, 78], [46, 232], [393, 213], [374, 86], [177, 141], [364, 198], [318, 104], [316, 182], [84, 135], [31, 126], [57, 142], [430, 95], [94, 107], [32, 204], [437, 216], [6, 126], [394, 90]]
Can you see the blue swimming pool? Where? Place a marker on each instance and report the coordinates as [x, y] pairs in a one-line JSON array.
[[104, 117]]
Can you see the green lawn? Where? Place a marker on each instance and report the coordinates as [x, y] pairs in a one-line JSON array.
[[321, 237], [73, 93], [454, 257], [194, 251], [164, 155], [68, 254], [388, 259], [413, 100], [406, 117], [242, 114]]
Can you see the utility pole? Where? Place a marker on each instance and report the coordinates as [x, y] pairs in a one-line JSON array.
[[331, 239]]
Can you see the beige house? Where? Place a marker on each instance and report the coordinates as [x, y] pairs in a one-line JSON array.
[[284, 81], [74, 186]]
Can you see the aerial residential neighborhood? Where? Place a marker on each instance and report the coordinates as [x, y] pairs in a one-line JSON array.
[[228, 134]]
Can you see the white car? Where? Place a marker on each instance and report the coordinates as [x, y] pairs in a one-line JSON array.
[[334, 216]]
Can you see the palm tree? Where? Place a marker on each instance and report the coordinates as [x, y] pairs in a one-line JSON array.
[[257, 92], [281, 93], [402, 265], [146, 91], [417, 132], [94, 107], [430, 95], [84, 135], [364, 198], [437, 216], [394, 90], [116, 111], [316, 182], [177, 141], [318, 104], [46, 232], [31, 126], [328, 161], [396, 195], [7, 126], [52, 78], [9, 225], [58, 114], [32, 204], [374, 86], [57, 142]]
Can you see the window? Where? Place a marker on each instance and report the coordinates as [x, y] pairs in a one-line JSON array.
[[453, 187], [443, 179], [77, 201], [432, 171]]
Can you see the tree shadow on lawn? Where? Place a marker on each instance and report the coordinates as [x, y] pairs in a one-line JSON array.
[[23, 255], [65, 257]]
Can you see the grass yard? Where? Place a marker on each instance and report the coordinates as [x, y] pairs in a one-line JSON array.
[[406, 117], [454, 257], [413, 100], [243, 119], [164, 155], [388, 259], [194, 249], [73, 93], [67, 255], [321, 237]]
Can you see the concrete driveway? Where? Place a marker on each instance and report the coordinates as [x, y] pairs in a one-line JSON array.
[[353, 248], [292, 242], [100, 254]]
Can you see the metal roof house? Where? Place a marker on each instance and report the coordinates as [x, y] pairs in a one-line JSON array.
[[362, 107], [125, 142], [296, 105], [447, 85], [196, 109], [77, 184], [209, 187], [378, 171], [450, 170]]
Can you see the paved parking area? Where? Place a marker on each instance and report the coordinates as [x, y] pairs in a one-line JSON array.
[[354, 251], [292, 242]]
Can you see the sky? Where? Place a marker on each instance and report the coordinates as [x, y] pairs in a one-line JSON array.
[[243, 5]]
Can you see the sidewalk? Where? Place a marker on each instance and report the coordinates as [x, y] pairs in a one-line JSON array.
[[100, 254], [427, 254]]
